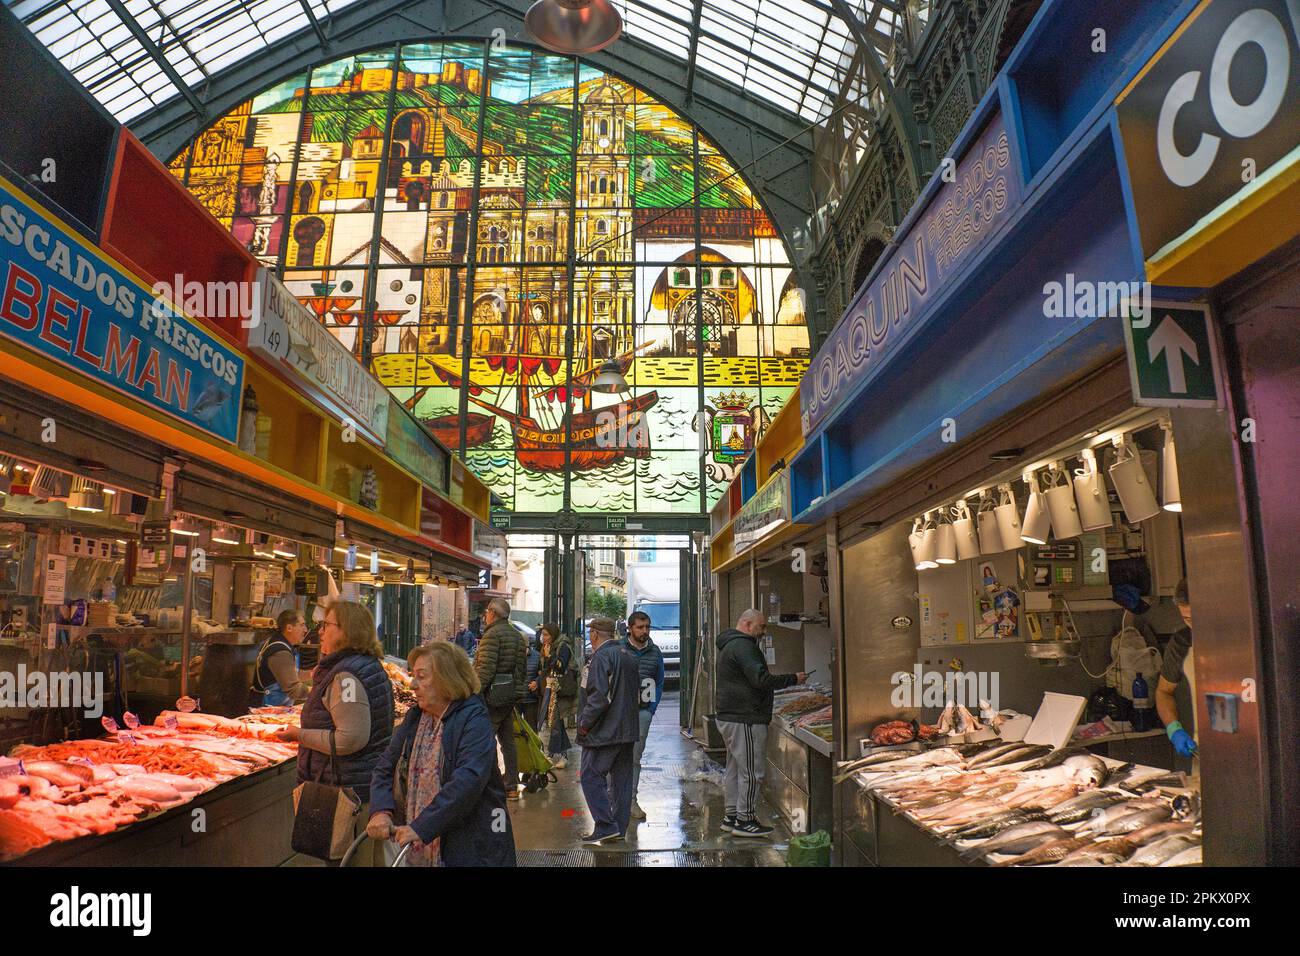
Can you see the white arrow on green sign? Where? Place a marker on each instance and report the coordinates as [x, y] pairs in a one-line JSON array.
[[1172, 358]]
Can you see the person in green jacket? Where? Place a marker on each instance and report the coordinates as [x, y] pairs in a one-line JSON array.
[[501, 664]]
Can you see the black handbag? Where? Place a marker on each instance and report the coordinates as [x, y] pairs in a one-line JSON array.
[[501, 692], [324, 815]]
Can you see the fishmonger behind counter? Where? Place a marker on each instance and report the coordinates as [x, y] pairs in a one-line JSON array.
[[276, 678], [1178, 665]]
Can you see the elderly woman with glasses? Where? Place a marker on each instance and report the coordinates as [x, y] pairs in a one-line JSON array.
[[438, 778], [347, 720]]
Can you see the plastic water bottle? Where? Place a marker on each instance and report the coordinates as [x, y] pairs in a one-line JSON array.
[[774, 606], [1141, 704]]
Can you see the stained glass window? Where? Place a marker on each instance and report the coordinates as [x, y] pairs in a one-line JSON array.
[[487, 276]]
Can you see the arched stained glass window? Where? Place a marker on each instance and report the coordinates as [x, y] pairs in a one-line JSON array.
[[565, 148]]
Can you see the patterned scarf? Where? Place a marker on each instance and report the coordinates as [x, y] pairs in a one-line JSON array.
[[422, 785]]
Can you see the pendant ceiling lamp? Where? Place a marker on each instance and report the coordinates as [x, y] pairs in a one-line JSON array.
[[1169, 472], [1059, 492], [574, 26], [610, 380], [1131, 482], [1038, 520], [1090, 493]]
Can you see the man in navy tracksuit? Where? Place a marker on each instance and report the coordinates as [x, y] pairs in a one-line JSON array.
[[650, 671], [607, 732]]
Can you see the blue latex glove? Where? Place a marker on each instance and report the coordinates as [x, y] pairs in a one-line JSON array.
[[1130, 598], [1181, 739]]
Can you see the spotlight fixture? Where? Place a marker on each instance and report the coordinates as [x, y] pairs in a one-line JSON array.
[[945, 539], [86, 496], [922, 548], [574, 26], [1038, 520], [1008, 518], [1006, 454], [223, 534], [986, 521], [1169, 471], [184, 527], [1090, 493], [1059, 493], [963, 529], [284, 549], [1131, 481]]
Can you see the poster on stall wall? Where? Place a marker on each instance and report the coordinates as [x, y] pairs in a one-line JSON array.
[[56, 578]]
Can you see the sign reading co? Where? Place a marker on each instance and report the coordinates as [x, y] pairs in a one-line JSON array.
[[1172, 358], [1212, 112]]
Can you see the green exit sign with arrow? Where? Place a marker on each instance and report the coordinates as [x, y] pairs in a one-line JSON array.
[[1173, 358]]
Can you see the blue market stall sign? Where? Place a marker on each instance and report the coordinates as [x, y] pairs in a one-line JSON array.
[[63, 299], [1172, 358], [977, 198]]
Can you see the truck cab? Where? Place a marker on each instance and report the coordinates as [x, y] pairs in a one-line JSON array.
[[665, 628]]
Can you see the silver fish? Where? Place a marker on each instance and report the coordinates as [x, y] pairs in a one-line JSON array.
[[1166, 849], [1135, 821], [1189, 857], [1015, 756], [980, 759], [996, 824], [1105, 852], [1016, 840]]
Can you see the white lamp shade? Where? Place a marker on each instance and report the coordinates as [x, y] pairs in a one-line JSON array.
[[963, 530], [1008, 520], [1064, 511], [1169, 492], [1133, 486], [945, 547], [990, 534], [1038, 520], [1090, 495], [922, 548]]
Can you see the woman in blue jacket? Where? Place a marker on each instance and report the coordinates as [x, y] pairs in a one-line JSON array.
[[437, 785]]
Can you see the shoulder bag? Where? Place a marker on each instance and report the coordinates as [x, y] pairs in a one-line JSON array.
[[324, 815]]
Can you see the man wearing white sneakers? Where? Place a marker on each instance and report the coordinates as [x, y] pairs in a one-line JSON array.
[[744, 702]]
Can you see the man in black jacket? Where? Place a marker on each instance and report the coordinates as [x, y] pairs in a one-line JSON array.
[[744, 705], [608, 727]]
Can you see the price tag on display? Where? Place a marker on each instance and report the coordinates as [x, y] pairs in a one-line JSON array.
[[109, 724], [124, 738], [9, 768], [131, 720], [170, 722], [187, 705], [84, 761]]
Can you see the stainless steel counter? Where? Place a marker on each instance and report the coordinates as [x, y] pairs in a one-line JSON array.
[[798, 777]]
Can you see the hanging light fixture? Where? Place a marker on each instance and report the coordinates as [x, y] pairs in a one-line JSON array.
[[1090, 493], [963, 529], [986, 521], [922, 548], [1059, 494], [86, 496], [945, 539], [224, 534], [1169, 471], [1038, 520], [1131, 482], [1008, 518], [610, 380], [574, 26]]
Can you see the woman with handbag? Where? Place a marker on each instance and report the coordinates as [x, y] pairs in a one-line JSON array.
[[436, 787], [347, 720], [561, 691]]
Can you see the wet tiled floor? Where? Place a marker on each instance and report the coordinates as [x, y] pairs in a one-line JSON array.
[[682, 815]]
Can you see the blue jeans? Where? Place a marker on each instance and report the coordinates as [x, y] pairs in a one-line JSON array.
[[607, 784], [639, 748]]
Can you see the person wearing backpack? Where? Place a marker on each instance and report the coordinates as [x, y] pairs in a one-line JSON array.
[[501, 663], [559, 671]]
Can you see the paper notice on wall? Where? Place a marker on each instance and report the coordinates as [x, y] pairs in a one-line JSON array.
[[56, 578]]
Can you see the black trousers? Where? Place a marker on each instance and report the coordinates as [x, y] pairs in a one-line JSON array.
[[504, 722]]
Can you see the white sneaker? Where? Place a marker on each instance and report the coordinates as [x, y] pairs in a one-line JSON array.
[[637, 812], [560, 763]]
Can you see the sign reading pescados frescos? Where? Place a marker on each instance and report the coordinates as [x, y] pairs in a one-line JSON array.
[[64, 299], [286, 331], [980, 196]]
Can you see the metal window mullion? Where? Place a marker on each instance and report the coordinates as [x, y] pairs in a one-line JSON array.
[[371, 284], [281, 263], [699, 304], [571, 295], [471, 256]]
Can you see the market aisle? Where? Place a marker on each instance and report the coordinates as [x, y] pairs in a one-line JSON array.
[[681, 825]]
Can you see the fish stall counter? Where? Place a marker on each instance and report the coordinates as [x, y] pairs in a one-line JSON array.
[[191, 790], [1013, 804], [799, 758]]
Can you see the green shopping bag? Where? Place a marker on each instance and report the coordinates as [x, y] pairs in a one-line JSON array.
[[809, 849]]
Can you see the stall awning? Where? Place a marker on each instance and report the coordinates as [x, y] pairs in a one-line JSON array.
[[221, 495]]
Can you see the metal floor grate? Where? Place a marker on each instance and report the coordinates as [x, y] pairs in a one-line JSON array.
[[763, 856]]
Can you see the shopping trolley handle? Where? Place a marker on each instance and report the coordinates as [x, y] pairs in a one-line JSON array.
[[364, 837]]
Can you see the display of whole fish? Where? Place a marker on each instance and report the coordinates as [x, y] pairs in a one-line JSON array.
[[984, 756], [1020, 755], [1016, 840], [1051, 852], [995, 824], [1189, 857], [1159, 831], [877, 759], [1156, 853]]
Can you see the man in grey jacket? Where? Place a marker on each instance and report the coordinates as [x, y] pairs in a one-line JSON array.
[[744, 703], [608, 727]]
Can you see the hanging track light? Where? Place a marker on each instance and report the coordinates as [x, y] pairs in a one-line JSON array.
[[1090, 492], [1173, 499], [1131, 482], [1038, 520], [574, 26], [1059, 495]]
